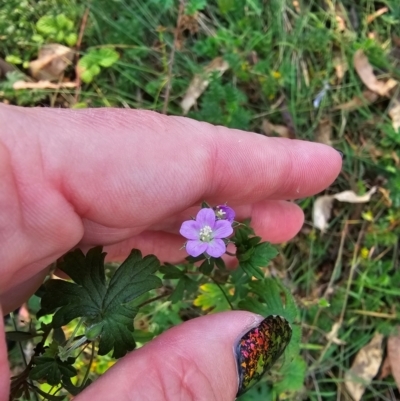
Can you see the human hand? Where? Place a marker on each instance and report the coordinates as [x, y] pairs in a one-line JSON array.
[[127, 179]]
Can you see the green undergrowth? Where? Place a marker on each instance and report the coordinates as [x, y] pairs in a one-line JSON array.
[[280, 58]]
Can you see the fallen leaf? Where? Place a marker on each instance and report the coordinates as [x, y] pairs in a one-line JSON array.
[[366, 74], [340, 66], [323, 205], [200, 82], [42, 85], [322, 211], [376, 14], [332, 335], [386, 370], [52, 60], [394, 114], [323, 132], [364, 368], [269, 129], [352, 197], [393, 351], [368, 97]]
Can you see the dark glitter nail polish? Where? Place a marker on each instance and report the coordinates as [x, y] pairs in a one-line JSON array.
[[260, 348], [340, 153]]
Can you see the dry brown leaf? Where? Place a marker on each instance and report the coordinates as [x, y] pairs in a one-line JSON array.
[[376, 14], [366, 74], [394, 114], [323, 205], [269, 129], [364, 368], [42, 85], [52, 60], [367, 98], [340, 66], [323, 132], [393, 351], [332, 335], [200, 82], [386, 370]]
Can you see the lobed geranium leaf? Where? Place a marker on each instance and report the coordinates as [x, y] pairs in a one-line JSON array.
[[102, 302], [49, 367]]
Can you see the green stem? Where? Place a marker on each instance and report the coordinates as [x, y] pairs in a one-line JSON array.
[[149, 301], [223, 292], [89, 367], [71, 339]]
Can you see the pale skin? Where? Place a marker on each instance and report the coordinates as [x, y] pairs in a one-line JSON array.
[[127, 179]]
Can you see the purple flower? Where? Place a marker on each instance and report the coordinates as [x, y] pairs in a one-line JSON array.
[[224, 212], [206, 234]]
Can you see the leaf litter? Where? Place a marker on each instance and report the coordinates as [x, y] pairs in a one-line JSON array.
[[323, 205], [52, 61], [393, 354], [201, 81], [366, 73], [364, 368]]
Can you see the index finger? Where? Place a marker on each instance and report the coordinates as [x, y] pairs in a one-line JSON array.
[[114, 166]]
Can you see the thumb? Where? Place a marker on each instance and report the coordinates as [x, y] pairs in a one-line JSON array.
[[211, 358]]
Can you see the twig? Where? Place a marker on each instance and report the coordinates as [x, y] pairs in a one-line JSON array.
[[172, 57], [78, 46]]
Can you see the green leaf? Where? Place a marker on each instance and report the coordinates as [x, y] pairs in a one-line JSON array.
[[260, 256], [273, 299], [185, 284], [71, 39], [91, 297], [207, 267], [50, 368], [13, 59], [47, 25], [107, 56], [211, 298], [104, 57], [293, 374], [226, 5], [171, 272], [219, 262], [59, 335], [49, 397], [87, 76], [64, 23], [20, 335]]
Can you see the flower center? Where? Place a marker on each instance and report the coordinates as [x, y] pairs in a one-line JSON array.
[[205, 234], [220, 213]]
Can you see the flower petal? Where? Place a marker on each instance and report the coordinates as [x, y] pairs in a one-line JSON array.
[[222, 229], [206, 217], [190, 229], [196, 248], [216, 248]]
